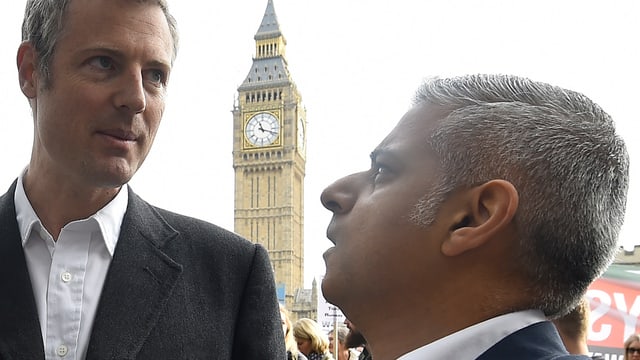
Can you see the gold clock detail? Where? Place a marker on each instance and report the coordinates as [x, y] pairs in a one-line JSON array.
[[262, 129]]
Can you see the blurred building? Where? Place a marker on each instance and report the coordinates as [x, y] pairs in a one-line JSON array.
[[628, 257]]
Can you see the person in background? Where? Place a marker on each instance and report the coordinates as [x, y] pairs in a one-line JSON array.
[[312, 342], [574, 329], [354, 339], [97, 272], [290, 342], [490, 207], [344, 353], [632, 347]]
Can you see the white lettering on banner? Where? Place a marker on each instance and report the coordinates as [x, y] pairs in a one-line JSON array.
[[601, 310], [328, 314], [630, 316]]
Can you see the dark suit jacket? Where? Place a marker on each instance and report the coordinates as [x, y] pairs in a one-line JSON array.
[[177, 288], [539, 341]]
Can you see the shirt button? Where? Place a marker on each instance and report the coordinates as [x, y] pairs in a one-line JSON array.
[[66, 276], [62, 350]]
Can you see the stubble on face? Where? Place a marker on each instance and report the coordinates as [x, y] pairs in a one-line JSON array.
[[425, 211]]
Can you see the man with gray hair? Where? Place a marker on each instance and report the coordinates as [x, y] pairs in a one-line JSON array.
[[89, 269], [492, 205]]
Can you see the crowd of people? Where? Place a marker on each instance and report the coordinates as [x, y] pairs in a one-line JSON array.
[[485, 214], [309, 342], [305, 339]]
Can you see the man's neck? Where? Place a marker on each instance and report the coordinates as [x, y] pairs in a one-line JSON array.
[[57, 204]]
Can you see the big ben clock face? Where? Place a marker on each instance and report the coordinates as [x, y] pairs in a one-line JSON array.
[[262, 129]]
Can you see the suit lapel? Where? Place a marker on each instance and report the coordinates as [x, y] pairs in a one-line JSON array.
[[20, 336], [140, 279]]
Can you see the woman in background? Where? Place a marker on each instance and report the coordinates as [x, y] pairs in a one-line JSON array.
[[289, 341], [632, 347], [311, 340]]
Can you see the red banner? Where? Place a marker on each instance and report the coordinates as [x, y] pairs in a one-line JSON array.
[[615, 309]]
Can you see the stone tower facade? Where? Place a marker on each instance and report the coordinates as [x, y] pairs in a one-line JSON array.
[[269, 137]]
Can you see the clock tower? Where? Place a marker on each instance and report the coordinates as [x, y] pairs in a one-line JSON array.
[[269, 132]]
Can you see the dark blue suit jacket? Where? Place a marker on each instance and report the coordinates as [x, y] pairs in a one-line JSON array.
[[177, 288], [539, 341]]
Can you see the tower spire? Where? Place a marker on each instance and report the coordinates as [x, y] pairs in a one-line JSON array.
[[269, 63], [269, 39], [269, 27]]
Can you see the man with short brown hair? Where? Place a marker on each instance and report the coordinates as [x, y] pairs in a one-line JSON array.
[[92, 271]]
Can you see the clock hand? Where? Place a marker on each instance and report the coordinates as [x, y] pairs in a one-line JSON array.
[[260, 127]]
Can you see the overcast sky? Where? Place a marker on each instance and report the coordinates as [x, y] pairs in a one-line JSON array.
[[357, 64]]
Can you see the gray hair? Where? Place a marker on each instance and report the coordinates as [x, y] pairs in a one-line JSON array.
[[44, 22], [560, 151], [342, 332]]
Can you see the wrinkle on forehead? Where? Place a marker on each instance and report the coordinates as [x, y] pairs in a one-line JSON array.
[[146, 25], [414, 127]]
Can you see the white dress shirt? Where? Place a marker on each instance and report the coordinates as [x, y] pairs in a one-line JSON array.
[[469, 343], [67, 275]]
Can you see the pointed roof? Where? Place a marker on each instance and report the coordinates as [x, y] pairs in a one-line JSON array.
[[267, 72], [268, 69], [269, 27]]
